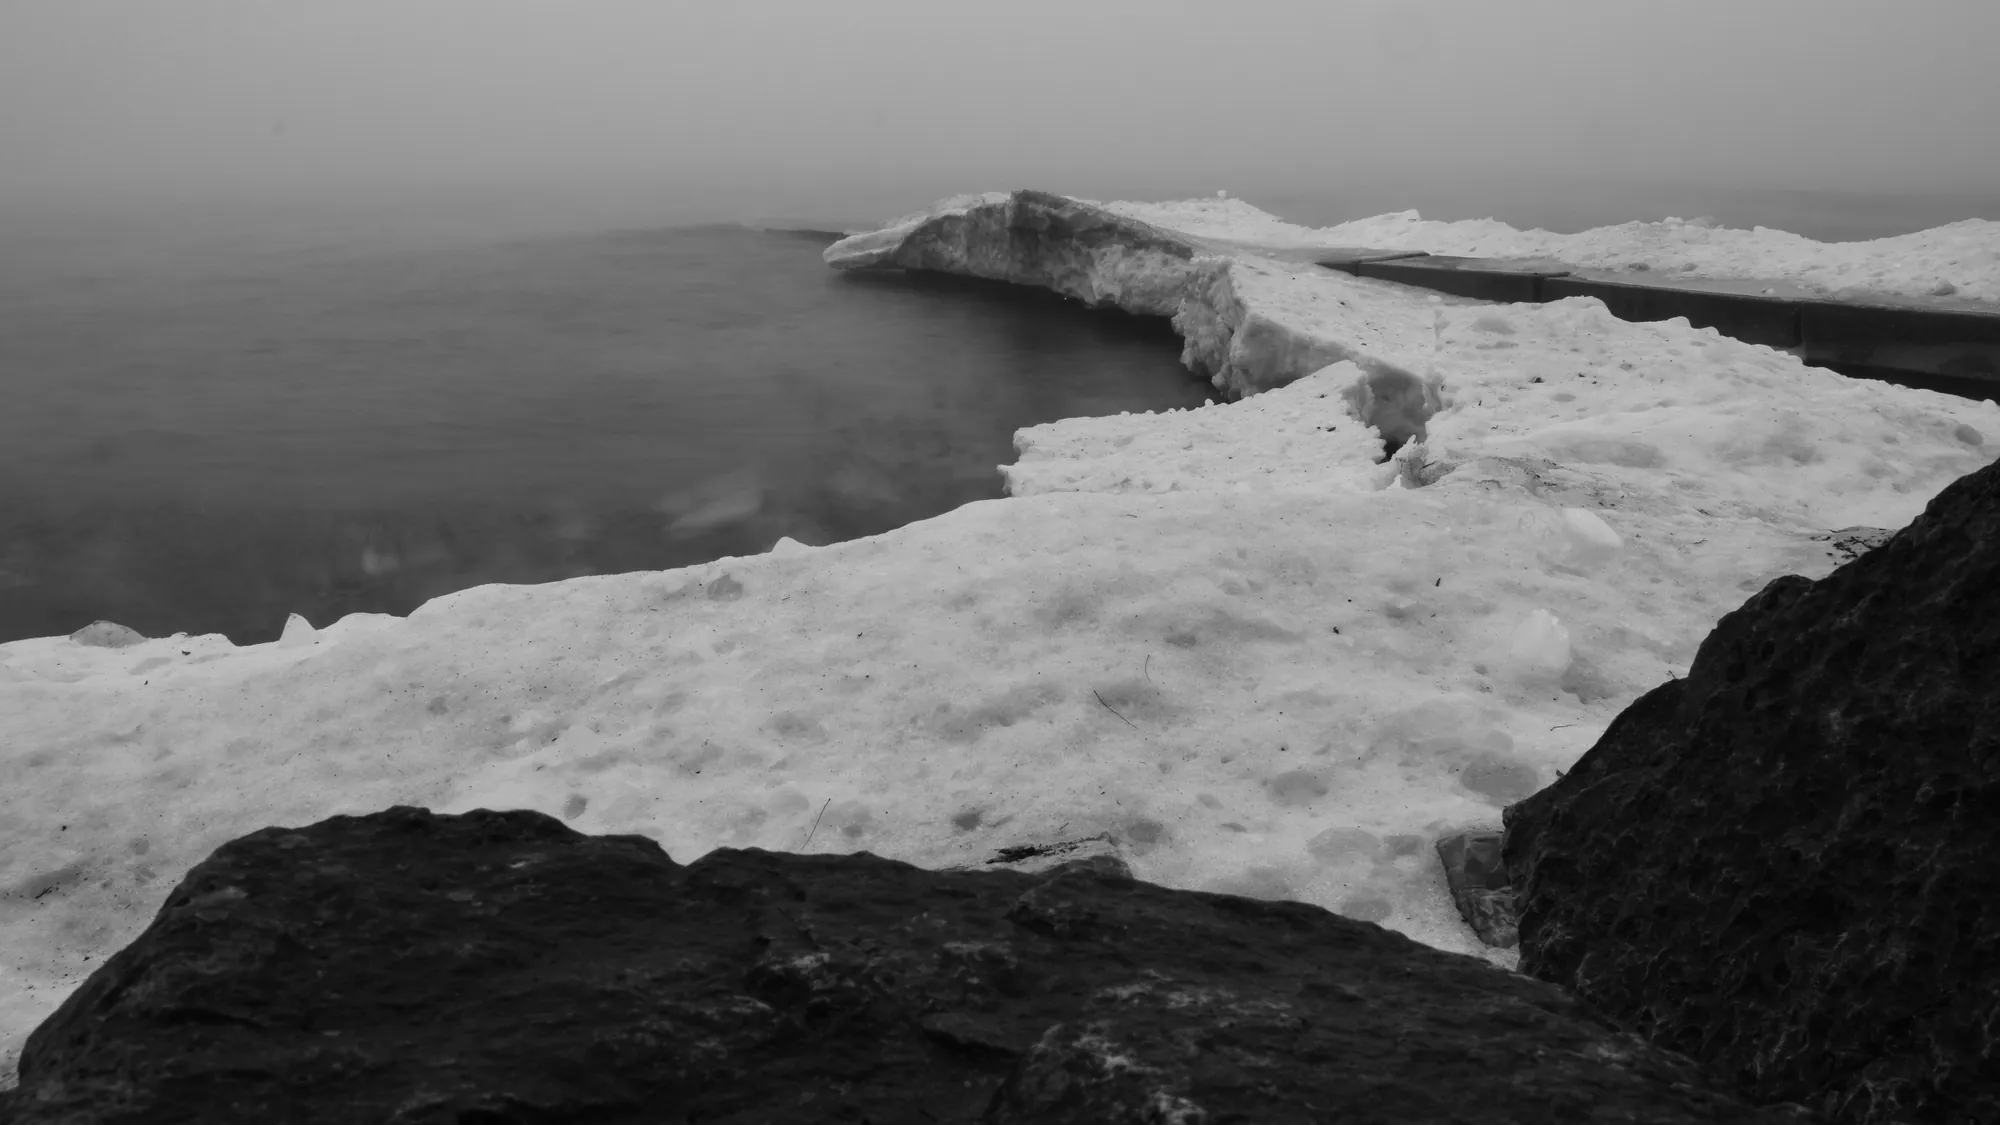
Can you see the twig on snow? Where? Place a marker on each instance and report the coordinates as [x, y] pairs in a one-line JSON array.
[[1114, 710], [815, 827]]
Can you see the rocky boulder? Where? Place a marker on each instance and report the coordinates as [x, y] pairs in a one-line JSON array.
[[498, 967], [1787, 865]]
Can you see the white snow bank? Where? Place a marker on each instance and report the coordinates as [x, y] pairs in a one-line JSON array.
[[1656, 416], [1960, 260], [1224, 638]]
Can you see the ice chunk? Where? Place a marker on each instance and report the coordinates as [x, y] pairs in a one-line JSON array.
[[1394, 401], [1590, 538], [1573, 539], [107, 634], [1540, 646], [298, 631]]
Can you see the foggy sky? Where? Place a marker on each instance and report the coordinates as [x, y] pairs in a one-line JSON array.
[[733, 107]]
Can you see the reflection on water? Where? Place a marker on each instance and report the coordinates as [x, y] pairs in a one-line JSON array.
[[217, 441]]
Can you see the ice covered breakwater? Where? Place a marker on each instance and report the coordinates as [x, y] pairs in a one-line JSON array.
[[1877, 308], [1250, 323]]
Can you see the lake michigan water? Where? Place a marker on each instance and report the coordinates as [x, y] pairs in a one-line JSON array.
[[208, 425], [208, 437]]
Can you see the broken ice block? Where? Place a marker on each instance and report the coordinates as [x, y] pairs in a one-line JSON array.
[[1591, 540], [1540, 646], [298, 631], [107, 634]]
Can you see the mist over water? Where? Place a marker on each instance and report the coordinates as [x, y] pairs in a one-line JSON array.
[[126, 234]]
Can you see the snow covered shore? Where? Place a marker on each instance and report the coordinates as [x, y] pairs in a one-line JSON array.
[[1960, 260], [1225, 642]]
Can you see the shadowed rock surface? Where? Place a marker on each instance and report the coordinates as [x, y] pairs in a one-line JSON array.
[[499, 967], [1787, 865]]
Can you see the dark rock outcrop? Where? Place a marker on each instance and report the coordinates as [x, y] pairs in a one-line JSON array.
[[1787, 865], [498, 967]]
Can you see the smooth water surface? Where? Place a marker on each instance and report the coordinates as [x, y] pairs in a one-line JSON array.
[[207, 438]]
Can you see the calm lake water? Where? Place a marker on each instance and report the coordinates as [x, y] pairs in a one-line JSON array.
[[207, 438]]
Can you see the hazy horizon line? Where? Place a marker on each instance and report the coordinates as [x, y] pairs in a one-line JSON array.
[[557, 207]]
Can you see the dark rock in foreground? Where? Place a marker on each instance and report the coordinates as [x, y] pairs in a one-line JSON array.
[[498, 967], [1787, 865]]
